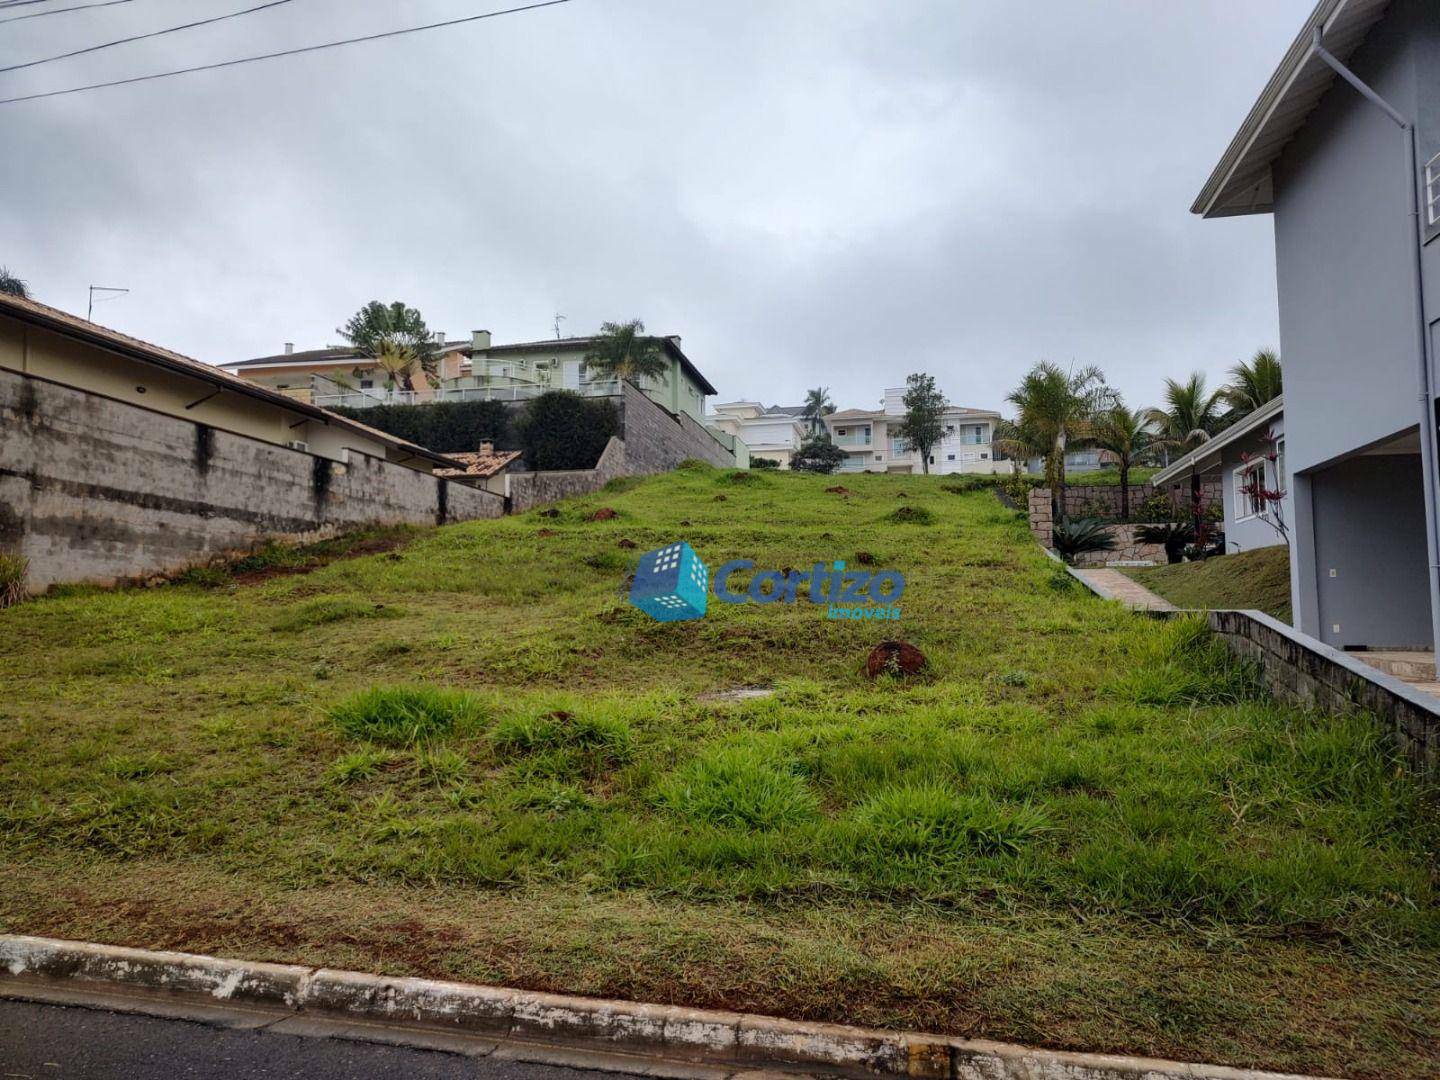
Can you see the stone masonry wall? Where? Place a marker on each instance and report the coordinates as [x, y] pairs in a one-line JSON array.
[[1103, 500], [657, 440], [97, 490], [1306, 672], [1127, 547], [529, 490]]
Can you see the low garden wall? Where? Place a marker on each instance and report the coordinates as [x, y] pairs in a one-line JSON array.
[[1128, 549], [529, 490], [1301, 670]]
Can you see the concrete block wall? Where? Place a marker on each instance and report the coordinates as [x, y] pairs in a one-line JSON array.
[[97, 490]]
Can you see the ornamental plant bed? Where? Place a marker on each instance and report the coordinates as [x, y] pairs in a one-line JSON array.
[[1079, 828]]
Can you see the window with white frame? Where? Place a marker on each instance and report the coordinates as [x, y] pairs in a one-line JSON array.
[[1249, 503], [1281, 484], [1432, 191]]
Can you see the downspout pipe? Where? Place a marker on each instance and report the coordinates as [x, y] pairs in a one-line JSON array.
[[1430, 477]]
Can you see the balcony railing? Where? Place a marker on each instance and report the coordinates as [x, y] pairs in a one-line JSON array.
[[852, 440], [367, 399]]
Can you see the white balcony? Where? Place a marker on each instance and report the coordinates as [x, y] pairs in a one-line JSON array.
[[368, 399]]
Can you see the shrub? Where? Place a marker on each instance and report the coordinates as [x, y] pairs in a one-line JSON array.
[[562, 430], [817, 454], [449, 427], [402, 715], [1175, 536], [12, 579], [740, 788], [764, 463], [1076, 536]]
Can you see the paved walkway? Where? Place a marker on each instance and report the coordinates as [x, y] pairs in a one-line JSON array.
[[1114, 585]]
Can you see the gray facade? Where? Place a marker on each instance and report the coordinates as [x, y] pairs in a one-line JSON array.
[[1244, 529], [1337, 179]]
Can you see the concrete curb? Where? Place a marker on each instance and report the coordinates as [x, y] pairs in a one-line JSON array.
[[735, 1041]]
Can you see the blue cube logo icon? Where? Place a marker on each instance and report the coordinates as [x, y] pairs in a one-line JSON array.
[[671, 584]]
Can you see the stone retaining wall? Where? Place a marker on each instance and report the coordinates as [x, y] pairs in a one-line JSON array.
[[1127, 547], [529, 490], [1301, 670]]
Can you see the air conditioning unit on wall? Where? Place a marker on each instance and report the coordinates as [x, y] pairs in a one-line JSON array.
[[299, 444]]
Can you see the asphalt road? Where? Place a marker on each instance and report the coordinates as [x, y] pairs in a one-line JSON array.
[[49, 1041]]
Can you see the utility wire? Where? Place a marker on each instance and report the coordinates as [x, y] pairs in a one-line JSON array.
[[61, 11], [142, 37], [286, 52]]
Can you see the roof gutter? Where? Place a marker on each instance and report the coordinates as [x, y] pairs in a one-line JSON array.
[[1431, 480]]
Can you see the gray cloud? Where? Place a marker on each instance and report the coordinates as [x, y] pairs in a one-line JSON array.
[[810, 191]]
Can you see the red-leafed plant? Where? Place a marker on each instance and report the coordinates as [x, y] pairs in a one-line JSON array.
[[1270, 503]]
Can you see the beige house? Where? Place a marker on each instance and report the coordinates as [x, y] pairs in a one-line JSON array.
[[53, 345]]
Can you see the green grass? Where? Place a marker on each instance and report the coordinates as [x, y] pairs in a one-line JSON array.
[[1258, 579], [1110, 477], [471, 758]]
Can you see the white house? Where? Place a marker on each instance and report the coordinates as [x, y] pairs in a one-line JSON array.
[[871, 443], [1240, 457], [774, 432]]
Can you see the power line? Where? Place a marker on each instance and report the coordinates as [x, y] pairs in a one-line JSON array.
[[286, 52], [62, 11], [142, 37]]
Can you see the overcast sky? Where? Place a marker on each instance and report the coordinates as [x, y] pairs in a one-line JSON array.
[[810, 192]]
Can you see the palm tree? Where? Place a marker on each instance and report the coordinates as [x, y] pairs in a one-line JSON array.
[[377, 326], [1252, 383], [399, 361], [1190, 417], [12, 285], [817, 406], [622, 351], [1055, 409], [1126, 434]]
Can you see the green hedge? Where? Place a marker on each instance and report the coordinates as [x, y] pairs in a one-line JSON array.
[[562, 430], [451, 427]]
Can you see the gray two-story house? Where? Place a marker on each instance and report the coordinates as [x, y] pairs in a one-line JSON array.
[[1343, 149]]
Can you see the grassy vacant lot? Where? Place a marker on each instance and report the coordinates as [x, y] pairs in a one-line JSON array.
[[469, 757], [1248, 579]]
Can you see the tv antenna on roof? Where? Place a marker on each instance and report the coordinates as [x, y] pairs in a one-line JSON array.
[[558, 320], [104, 289]]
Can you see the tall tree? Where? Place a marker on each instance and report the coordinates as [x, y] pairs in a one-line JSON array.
[[1055, 409], [817, 406], [1191, 415], [12, 285], [1252, 383], [622, 351], [377, 326], [924, 424], [1126, 434]]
